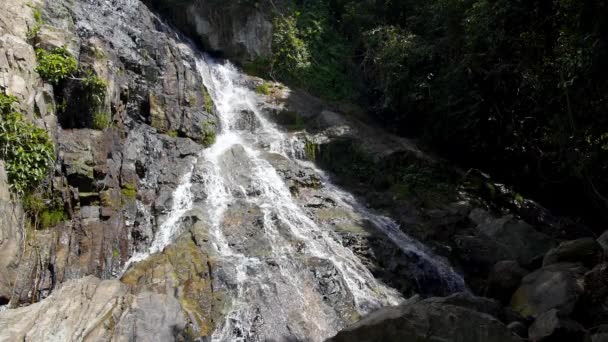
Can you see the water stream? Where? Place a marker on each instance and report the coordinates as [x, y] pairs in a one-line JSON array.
[[288, 277]]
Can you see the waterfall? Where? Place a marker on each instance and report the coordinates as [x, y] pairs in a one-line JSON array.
[[287, 276]]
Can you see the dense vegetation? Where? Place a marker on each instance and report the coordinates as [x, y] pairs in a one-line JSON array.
[[517, 88], [26, 149]]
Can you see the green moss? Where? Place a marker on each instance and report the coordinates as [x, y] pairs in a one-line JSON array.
[[208, 131], [310, 149], [44, 210], [96, 88], [208, 101], [263, 89], [102, 120], [128, 193], [51, 217], [33, 32], [115, 253], [173, 134], [56, 65], [27, 150]]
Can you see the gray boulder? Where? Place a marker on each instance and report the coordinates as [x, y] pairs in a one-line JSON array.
[[556, 286], [587, 251], [551, 327], [427, 320], [504, 279]]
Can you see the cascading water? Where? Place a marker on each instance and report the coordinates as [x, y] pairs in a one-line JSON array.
[[288, 277]]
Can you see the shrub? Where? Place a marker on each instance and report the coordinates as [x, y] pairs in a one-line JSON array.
[[209, 135], [56, 65], [95, 87], [27, 150], [32, 33], [102, 120], [263, 89]]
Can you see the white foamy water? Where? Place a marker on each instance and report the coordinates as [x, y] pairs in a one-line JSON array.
[[287, 276]]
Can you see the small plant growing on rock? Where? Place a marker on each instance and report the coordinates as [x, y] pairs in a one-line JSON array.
[[102, 120], [27, 150], [208, 133], [208, 101], [32, 33], [96, 88], [263, 89], [56, 65]]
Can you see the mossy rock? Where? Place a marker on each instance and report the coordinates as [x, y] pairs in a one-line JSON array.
[[182, 269]]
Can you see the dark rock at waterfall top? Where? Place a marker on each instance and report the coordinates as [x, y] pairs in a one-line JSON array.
[[552, 327], [557, 286], [586, 251], [239, 30], [504, 279], [427, 320]]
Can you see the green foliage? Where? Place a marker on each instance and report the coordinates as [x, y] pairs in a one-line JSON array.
[[208, 101], [56, 65], [33, 32], [128, 193], [27, 150], [263, 89], [102, 120], [208, 131], [44, 210], [309, 53], [95, 87]]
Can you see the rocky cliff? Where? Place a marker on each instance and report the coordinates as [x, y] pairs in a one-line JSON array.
[[281, 229]]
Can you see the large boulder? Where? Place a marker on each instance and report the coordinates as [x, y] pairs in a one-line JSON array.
[[96, 310], [515, 237], [550, 326], [586, 251], [592, 309], [504, 279], [556, 286], [427, 320]]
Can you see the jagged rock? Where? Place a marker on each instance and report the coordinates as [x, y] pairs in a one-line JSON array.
[[519, 329], [599, 334], [11, 235], [555, 286], [516, 237], [593, 306], [89, 308], [586, 251], [504, 279], [550, 326], [181, 273], [429, 320], [603, 241], [240, 30]]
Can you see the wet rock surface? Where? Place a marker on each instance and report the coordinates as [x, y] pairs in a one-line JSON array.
[[270, 280]]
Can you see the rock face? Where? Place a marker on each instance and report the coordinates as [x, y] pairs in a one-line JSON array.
[[240, 30], [90, 309], [10, 238], [427, 320], [586, 251]]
